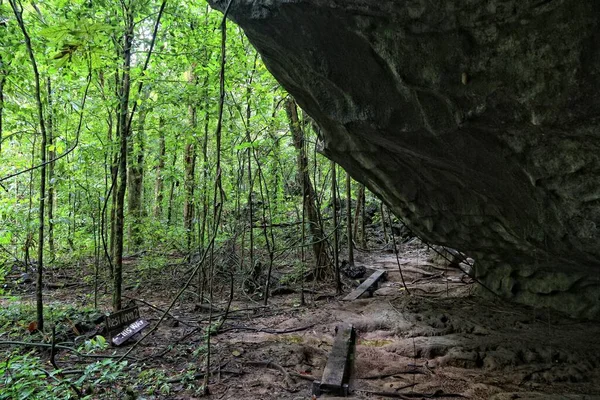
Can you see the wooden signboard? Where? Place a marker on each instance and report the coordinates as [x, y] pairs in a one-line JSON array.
[[131, 330], [116, 322]]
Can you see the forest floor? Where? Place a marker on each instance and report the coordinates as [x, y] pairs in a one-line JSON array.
[[435, 340]]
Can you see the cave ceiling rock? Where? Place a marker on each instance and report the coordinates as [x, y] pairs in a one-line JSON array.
[[477, 122]]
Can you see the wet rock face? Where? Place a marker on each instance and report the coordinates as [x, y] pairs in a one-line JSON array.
[[478, 122]]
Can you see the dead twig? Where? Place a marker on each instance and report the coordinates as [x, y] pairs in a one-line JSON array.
[[169, 347], [428, 278], [202, 374], [412, 395], [62, 347], [60, 382], [309, 378], [289, 382], [159, 310], [411, 371], [53, 349], [265, 330]]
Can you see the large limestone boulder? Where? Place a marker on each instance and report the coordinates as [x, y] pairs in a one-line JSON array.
[[478, 122]]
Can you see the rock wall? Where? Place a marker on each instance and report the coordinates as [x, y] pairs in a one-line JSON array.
[[478, 122]]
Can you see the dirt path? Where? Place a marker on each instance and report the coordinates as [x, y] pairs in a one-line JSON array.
[[440, 341], [434, 340]]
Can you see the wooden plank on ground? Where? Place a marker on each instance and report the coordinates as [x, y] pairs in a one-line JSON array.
[[370, 285], [337, 371]]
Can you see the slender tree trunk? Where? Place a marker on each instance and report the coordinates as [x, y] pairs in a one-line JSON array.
[[349, 218], [42, 123], [159, 186], [250, 179], [136, 181], [124, 130], [171, 194], [188, 184], [190, 166], [363, 223], [204, 220], [269, 238], [51, 155], [30, 234], [114, 173], [316, 229], [359, 207], [385, 235], [110, 180], [336, 261], [3, 74]]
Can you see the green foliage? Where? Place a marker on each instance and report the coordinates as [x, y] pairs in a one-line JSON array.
[[179, 97], [16, 316], [296, 275], [23, 377], [95, 344]]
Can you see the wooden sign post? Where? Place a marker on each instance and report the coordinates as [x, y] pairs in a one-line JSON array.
[[122, 325]]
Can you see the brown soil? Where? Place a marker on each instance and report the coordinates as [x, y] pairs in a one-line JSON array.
[[433, 339]]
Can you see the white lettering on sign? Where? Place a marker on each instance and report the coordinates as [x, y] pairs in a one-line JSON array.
[[121, 318], [131, 330]]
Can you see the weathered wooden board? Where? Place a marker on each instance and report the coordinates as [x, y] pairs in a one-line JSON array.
[[116, 322], [131, 330], [337, 370], [369, 285]]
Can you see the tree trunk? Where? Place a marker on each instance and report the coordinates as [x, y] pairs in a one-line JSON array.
[[51, 155], [190, 167], [385, 235], [114, 174], [349, 218], [3, 74], [363, 223], [42, 123], [358, 212], [171, 193], [336, 261], [136, 182], [123, 130], [250, 179], [188, 184], [316, 229], [204, 219], [159, 187]]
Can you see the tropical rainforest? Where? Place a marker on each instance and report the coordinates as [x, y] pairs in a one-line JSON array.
[[170, 227], [141, 139]]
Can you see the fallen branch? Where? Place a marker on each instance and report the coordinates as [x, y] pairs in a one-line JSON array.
[[265, 330], [305, 377], [427, 278], [412, 395], [62, 347], [159, 310], [289, 382], [202, 374], [60, 285], [61, 382], [411, 371], [168, 348]]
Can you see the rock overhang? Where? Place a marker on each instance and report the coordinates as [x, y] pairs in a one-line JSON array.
[[477, 122]]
